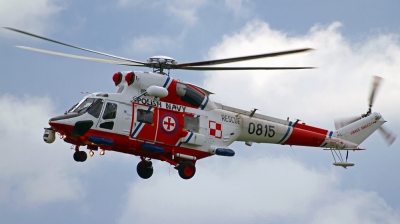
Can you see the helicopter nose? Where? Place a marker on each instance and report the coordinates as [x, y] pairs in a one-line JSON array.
[[77, 129], [64, 116], [60, 126]]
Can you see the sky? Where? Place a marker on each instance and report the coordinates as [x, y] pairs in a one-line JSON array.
[[265, 183]]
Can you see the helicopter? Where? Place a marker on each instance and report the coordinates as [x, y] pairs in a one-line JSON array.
[[156, 117]]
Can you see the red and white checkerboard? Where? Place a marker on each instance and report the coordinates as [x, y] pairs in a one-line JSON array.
[[215, 129]]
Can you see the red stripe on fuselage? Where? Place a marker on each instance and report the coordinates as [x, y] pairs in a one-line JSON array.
[[305, 138], [311, 128]]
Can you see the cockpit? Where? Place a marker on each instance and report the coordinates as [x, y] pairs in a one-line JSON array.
[[92, 108], [91, 105]]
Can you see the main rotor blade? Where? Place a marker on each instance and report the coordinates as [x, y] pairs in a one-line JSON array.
[[387, 135], [81, 57], [76, 47], [375, 86], [240, 68], [244, 58]]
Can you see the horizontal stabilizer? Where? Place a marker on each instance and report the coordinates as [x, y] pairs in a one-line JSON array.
[[347, 149]]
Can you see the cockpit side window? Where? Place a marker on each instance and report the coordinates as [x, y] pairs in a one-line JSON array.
[[95, 108], [110, 112]]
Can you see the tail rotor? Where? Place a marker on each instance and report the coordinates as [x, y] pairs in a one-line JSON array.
[[388, 136]]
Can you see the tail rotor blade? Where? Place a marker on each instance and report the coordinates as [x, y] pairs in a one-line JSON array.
[[341, 122], [388, 136], [375, 86]]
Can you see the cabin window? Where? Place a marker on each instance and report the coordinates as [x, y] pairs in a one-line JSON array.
[[193, 96], [145, 116], [191, 124], [110, 112], [95, 108]]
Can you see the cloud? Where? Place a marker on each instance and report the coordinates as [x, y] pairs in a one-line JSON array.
[[150, 44], [338, 87], [237, 6], [32, 172], [32, 16], [185, 11], [253, 190]]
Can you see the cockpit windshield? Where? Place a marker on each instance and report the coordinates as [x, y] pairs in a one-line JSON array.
[[82, 106]]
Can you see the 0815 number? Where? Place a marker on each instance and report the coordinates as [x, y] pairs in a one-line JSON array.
[[260, 130]]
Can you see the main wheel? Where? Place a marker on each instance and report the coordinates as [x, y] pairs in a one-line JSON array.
[[80, 156], [144, 170], [76, 156], [186, 170]]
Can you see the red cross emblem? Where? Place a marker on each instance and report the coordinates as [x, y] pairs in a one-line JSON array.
[[168, 123]]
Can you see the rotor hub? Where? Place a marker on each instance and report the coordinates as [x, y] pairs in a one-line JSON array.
[[161, 62]]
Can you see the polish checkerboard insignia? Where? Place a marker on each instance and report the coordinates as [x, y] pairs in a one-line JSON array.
[[215, 129]]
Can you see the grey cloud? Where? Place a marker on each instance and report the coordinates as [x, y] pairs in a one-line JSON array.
[[32, 172]]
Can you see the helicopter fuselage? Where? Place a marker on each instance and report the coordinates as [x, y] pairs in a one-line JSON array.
[[185, 125]]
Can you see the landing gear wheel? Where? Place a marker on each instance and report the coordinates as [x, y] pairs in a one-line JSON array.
[[80, 156], [76, 156], [186, 170], [145, 169]]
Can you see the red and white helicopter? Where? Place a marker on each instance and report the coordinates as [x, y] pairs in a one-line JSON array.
[[155, 116]]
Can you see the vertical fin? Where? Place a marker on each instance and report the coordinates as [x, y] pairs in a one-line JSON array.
[[360, 130]]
